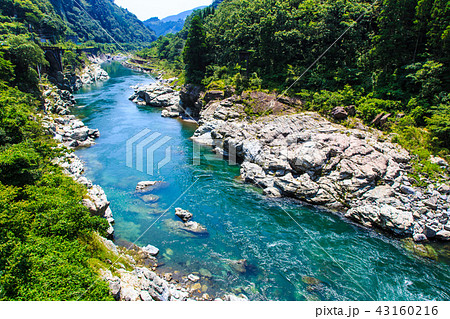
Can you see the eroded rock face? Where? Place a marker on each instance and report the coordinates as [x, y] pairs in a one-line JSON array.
[[309, 158]]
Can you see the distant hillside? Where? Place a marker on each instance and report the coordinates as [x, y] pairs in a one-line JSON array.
[[216, 3], [170, 24], [181, 16], [121, 24]]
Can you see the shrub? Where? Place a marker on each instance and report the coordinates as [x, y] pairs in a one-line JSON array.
[[439, 124]]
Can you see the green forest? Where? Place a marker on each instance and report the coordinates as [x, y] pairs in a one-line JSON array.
[[89, 22], [46, 234], [388, 56], [48, 246]]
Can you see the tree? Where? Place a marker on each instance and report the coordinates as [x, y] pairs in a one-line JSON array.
[[6, 69], [28, 58], [194, 53]]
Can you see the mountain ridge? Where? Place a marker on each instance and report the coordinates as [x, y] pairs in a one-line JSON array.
[[182, 15], [170, 24], [118, 22]]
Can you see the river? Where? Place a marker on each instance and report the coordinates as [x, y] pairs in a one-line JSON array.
[[321, 256]]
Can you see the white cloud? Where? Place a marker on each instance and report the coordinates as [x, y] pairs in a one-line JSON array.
[[145, 9]]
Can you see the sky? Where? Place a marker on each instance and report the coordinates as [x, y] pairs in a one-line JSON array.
[[145, 9]]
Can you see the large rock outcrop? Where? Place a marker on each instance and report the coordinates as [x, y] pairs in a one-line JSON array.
[[307, 157]]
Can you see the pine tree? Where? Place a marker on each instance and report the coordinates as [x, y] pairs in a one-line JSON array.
[[194, 53]]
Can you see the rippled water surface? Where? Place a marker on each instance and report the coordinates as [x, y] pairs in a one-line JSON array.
[[323, 257]]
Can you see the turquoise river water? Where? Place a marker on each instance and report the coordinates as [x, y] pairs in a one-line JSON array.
[[323, 258]]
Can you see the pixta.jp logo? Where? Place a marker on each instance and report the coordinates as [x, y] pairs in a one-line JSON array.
[[144, 151]]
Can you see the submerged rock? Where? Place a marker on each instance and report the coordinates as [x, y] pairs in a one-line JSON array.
[[193, 278], [150, 198], [191, 229], [239, 266], [205, 273], [422, 250], [311, 280]]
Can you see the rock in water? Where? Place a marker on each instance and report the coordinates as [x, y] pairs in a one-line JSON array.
[[425, 251], [387, 217], [195, 228], [147, 186], [150, 198], [205, 273], [196, 286], [193, 278], [443, 235], [183, 214], [152, 250], [311, 280], [239, 266]]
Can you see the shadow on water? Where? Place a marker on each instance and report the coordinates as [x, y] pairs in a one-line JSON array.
[[327, 258]]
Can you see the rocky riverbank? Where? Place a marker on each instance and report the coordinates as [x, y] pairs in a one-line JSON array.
[[356, 172], [133, 276], [91, 73], [132, 273], [71, 133], [157, 73]]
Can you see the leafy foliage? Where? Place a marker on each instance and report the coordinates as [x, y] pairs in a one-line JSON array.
[[38, 16], [95, 19], [45, 231], [28, 58], [439, 124], [194, 52], [393, 56]]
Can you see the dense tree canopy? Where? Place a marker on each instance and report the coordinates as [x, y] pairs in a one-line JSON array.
[[194, 53], [392, 54], [38, 16], [95, 19]]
